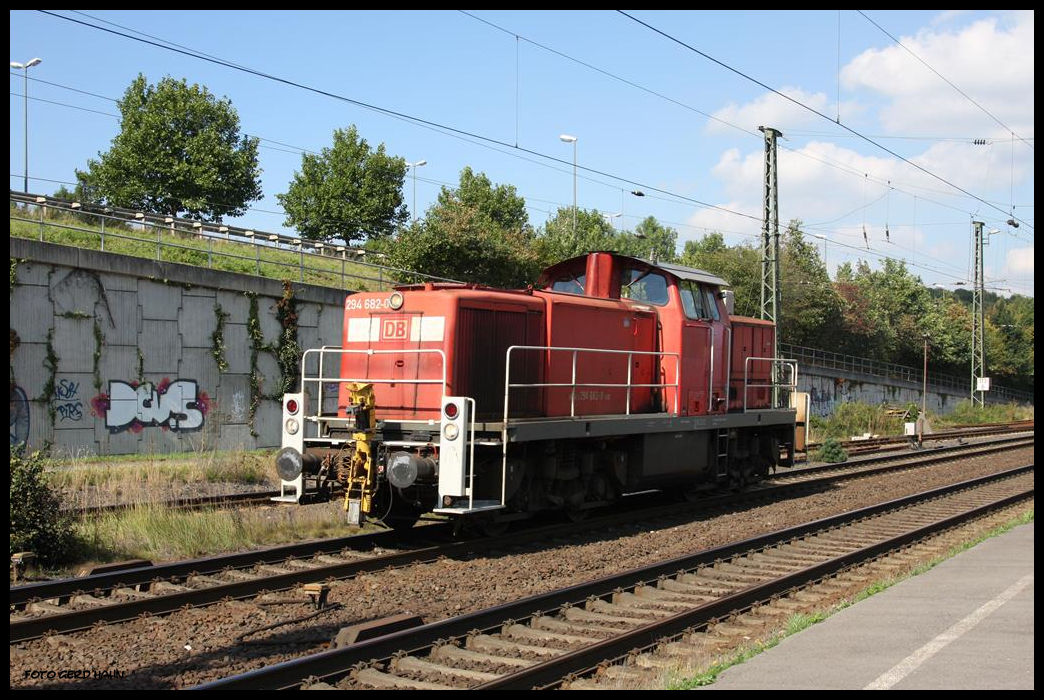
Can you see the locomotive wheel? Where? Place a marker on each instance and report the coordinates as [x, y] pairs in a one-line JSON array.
[[399, 514]]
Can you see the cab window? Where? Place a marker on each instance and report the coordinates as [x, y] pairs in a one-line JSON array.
[[711, 305], [644, 285], [692, 300], [570, 284]]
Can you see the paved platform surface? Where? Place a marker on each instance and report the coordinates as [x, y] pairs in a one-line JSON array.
[[966, 624]]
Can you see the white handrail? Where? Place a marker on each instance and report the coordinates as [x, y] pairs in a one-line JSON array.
[[305, 379], [508, 385], [782, 362]]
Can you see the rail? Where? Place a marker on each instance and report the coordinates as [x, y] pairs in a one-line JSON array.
[[320, 379], [780, 400], [211, 245], [573, 385], [876, 368]]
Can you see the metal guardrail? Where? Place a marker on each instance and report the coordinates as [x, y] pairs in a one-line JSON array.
[[573, 384], [875, 368], [316, 262], [781, 390], [320, 380]]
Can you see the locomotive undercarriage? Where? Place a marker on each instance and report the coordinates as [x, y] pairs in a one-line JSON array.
[[569, 476]]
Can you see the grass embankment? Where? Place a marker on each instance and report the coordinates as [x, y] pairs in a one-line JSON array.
[[857, 418], [155, 479], [158, 533], [149, 530], [230, 256]]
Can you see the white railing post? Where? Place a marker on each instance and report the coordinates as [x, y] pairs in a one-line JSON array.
[[572, 393], [627, 409]]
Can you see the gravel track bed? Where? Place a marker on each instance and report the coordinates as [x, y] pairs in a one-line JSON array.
[[198, 645]]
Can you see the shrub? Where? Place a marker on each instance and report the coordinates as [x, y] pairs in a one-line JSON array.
[[831, 451], [37, 523]]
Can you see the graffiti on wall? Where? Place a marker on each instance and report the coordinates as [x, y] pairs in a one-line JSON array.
[[239, 406], [67, 403], [19, 415], [170, 405]]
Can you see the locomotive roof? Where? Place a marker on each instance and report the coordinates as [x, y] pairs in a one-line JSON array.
[[679, 271], [690, 273]]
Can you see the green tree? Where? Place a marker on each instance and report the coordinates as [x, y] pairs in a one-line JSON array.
[[739, 265], [478, 232], [65, 193], [179, 152], [948, 325], [653, 241], [886, 312], [347, 192], [498, 208], [558, 241], [811, 314], [1009, 341]]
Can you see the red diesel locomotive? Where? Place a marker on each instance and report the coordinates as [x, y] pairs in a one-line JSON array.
[[612, 375]]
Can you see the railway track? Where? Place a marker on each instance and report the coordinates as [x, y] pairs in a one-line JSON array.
[[853, 447], [859, 446], [77, 603], [546, 640], [227, 500]]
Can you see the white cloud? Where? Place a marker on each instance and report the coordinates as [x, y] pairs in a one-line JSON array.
[[771, 110], [735, 229], [817, 182], [1019, 262], [990, 60], [838, 191]]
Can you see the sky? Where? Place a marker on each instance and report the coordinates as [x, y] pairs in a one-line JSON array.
[[905, 125]]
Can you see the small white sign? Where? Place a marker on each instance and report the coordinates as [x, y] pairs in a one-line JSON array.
[[982, 384]]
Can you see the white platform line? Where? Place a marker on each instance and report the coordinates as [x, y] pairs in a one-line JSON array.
[[905, 667]]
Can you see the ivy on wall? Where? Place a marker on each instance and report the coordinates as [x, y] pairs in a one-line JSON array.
[[51, 363], [15, 342], [288, 353], [99, 340], [256, 346], [217, 339], [286, 349]]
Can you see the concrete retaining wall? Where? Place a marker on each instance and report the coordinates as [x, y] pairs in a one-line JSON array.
[[828, 388], [114, 355]]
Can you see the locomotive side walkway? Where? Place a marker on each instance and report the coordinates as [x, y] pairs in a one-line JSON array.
[[966, 624]]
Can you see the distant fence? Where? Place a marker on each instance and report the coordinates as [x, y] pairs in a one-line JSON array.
[[210, 245], [875, 368]]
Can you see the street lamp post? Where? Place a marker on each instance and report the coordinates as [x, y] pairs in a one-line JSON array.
[[572, 139], [413, 167], [924, 395], [24, 67]]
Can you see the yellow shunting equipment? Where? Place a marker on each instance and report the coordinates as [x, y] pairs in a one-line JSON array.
[[362, 474]]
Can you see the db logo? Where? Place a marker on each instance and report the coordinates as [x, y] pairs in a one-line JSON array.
[[395, 328]]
